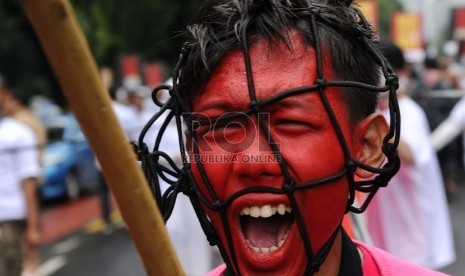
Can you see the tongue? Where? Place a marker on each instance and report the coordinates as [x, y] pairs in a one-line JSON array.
[[264, 232]]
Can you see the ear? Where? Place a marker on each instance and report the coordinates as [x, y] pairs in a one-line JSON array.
[[371, 132]]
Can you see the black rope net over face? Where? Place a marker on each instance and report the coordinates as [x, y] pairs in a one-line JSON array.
[[159, 165]]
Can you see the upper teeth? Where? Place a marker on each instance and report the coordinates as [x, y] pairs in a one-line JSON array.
[[265, 211]]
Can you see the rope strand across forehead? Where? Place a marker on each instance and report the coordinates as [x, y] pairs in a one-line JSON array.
[[341, 42]]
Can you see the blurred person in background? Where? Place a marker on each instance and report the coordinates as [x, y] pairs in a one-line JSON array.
[[411, 219], [194, 252], [143, 110], [454, 124], [431, 73], [441, 74], [442, 80], [16, 105], [19, 170], [450, 128]]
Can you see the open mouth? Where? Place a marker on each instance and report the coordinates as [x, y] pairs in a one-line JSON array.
[[266, 227]]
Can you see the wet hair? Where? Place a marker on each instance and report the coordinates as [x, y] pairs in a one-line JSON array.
[[224, 24]]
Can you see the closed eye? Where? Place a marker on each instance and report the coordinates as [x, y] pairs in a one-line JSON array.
[[294, 123], [226, 129], [291, 123], [296, 126]]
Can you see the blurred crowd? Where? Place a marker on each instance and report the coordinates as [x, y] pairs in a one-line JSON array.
[[437, 86]]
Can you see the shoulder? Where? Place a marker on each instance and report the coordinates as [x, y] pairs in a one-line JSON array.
[[28, 118], [15, 130], [390, 265], [218, 271]]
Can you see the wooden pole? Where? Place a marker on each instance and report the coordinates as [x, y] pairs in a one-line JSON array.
[[70, 57]]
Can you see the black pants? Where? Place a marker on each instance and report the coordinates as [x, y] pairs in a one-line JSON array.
[[104, 199]]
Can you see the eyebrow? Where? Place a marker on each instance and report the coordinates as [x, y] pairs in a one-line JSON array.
[[292, 102], [215, 105]]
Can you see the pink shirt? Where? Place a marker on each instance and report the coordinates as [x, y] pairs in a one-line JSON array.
[[379, 262], [375, 262]]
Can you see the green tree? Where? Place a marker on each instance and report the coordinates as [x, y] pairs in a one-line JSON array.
[[22, 60], [150, 29]]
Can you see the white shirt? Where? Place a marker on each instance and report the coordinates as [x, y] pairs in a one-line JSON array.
[[127, 118], [410, 218], [18, 161]]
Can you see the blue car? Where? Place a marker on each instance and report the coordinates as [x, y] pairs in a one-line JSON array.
[[68, 160]]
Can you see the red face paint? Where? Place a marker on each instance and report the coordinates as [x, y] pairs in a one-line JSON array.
[[241, 156]]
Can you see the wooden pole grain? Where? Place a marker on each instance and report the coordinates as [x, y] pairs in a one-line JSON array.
[[70, 57]]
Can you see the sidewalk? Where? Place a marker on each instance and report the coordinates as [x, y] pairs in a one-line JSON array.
[[68, 218]]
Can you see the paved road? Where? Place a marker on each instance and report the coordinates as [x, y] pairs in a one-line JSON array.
[[95, 254], [457, 212]]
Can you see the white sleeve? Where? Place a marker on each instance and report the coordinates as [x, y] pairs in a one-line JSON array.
[[27, 159], [445, 133], [458, 112], [449, 129]]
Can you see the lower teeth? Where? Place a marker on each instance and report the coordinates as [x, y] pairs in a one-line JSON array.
[[271, 249]]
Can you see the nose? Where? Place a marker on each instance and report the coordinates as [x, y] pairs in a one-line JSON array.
[[257, 161]]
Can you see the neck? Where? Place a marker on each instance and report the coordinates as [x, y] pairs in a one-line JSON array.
[[332, 263]]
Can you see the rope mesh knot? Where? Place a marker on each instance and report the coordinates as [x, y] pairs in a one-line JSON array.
[[256, 106], [321, 82], [289, 186], [392, 81], [141, 150], [351, 166]]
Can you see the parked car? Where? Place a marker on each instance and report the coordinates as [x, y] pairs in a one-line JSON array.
[[68, 160]]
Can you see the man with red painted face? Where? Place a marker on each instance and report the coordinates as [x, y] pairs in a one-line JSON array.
[[279, 101]]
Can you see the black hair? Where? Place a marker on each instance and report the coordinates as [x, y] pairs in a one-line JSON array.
[[4, 84], [112, 92], [393, 54], [223, 25], [17, 93], [20, 95]]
